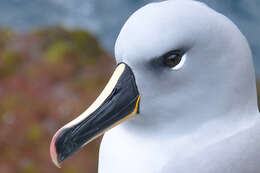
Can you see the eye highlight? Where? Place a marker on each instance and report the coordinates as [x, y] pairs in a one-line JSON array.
[[174, 60]]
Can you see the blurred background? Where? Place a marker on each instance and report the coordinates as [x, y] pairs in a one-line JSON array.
[[55, 57]]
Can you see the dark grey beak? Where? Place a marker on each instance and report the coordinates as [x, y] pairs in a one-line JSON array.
[[118, 102]]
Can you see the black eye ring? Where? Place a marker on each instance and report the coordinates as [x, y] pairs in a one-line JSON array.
[[172, 59]]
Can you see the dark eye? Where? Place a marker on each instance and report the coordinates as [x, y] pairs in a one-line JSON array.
[[174, 60]]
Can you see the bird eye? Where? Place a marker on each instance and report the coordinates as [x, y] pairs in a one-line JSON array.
[[174, 61]]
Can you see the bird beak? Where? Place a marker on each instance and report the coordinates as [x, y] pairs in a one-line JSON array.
[[118, 102]]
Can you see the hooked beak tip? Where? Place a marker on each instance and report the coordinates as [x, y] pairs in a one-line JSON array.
[[53, 151]]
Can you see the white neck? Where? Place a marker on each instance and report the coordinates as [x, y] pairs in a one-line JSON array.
[[160, 146], [191, 116]]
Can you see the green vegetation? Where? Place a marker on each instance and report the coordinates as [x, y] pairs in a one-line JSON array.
[[9, 61], [5, 36], [70, 170], [57, 52], [34, 133], [76, 46]]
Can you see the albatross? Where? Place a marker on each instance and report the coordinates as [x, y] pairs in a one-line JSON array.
[[181, 99]]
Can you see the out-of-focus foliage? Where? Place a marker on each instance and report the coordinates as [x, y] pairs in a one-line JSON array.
[[47, 78], [5, 36], [9, 62], [64, 46]]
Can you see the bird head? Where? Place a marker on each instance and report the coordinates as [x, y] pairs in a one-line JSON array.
[[183, 59]]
